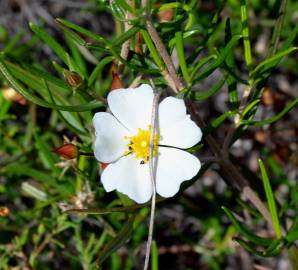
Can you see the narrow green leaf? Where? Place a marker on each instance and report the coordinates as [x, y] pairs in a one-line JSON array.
[[152, 49], [100, 211], [71, 120], [270, 199], [277, 29], [203, 95], [185, 35], [293, 256], [208, 33], [19, 169], [220, 59], [274, 250], [4, 107], [29, 95], [77, 56], [45, 154], [154, 256], [34, 192], [272, 119], [217, 122], [82, 30], [243, 230], [33, 78], [202, 62], [245, 34], [251, 106], [126, 35], [117, 11], [290, 38], [181, 56], [125, 6], [56, 47], [116, 242], [231, 66], [102, 63], [271, 62], [292, 234], [13, 41]]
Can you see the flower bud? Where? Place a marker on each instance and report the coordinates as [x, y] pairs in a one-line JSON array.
[[165, 15], [104, 165], [67, 151], [116, 81], [12, 95], [72, 78], [138, 43], [4, 211]]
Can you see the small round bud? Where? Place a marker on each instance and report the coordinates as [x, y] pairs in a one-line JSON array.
[[116, 81], [72, 78], [165, 15], [103, 165], [67, 151]]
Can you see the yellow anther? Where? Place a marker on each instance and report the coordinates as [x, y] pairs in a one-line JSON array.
[[139, 145]]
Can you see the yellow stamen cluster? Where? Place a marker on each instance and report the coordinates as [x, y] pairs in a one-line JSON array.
[[139, 145]]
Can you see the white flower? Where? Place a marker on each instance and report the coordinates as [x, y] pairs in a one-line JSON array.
[[123, 138]]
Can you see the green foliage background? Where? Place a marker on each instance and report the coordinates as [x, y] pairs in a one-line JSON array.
[[221, 38]]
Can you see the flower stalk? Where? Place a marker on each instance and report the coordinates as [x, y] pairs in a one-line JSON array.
[[152, 168]]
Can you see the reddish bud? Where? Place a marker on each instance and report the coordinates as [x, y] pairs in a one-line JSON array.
[[165, 15], [116, 81], [138, 43], [103, 165], [4, 211], [67, 151], [114, 67], [12, 95], [72, 78]]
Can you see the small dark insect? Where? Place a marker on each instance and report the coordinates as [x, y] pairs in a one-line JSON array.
[[142, 162]]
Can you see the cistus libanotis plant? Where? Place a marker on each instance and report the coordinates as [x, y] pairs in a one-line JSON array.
[[141, 88]]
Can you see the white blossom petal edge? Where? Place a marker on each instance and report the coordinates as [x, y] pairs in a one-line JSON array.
[[123, 138]]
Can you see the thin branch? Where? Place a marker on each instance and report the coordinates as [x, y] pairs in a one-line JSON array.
[[200, 122], [164, 54], [152, 168]]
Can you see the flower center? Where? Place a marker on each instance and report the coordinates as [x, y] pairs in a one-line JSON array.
[[139, 145]]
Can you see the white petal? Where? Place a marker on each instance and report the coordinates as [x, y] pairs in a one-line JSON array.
[[173, 167], [176, 127], [130, 177], [110, 143], [132, 106]]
